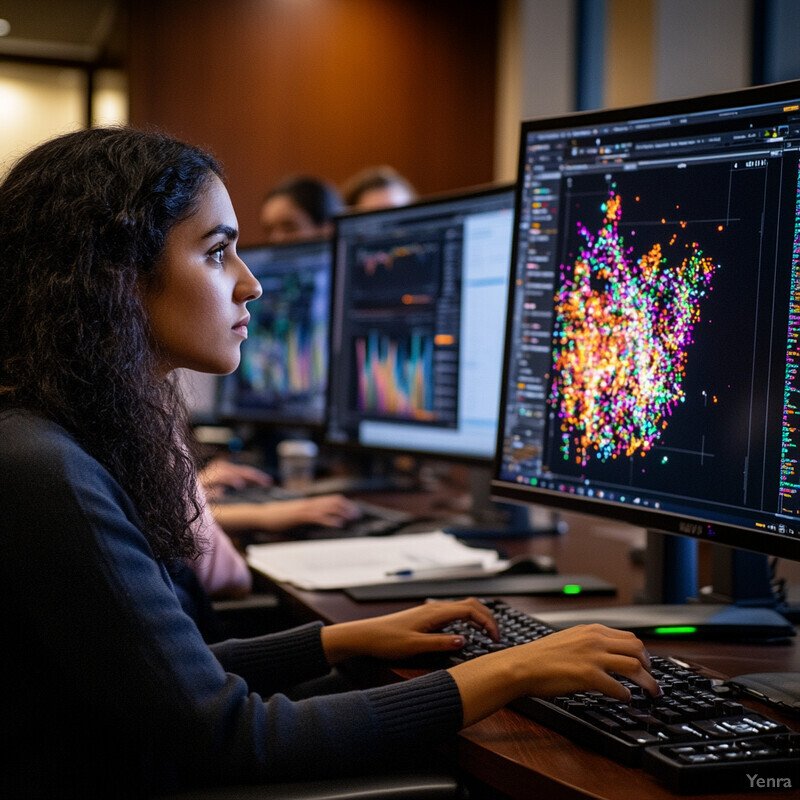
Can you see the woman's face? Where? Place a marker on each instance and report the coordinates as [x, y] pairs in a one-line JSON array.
[[197, 304], [285, 221]]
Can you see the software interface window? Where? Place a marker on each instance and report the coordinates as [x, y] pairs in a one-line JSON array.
[[418, 323], [656, 312]]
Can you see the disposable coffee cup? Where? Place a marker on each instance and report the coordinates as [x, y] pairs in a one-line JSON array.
[[296, 462]]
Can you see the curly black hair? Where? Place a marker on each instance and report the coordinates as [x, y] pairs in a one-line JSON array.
[[84, 219]]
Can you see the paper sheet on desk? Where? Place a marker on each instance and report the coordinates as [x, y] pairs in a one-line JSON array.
[[341, 563]]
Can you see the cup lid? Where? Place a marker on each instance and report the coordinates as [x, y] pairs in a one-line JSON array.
[[297, 447]]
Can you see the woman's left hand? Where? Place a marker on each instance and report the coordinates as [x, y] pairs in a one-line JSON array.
[[405, 633]]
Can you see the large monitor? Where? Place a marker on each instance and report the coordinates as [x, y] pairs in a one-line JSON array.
[[652, 362], [417, 326], [283, 374]]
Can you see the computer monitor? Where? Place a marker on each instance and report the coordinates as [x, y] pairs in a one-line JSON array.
[[652, 364], [417, 326], [282, 378], [200, 390]]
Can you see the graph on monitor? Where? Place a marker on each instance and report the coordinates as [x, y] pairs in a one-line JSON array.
[[417, 324]]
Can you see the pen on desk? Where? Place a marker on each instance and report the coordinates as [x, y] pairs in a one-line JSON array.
[[443, 569]]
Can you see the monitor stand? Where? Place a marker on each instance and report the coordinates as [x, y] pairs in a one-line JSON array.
[[495, 520], [670, 607]]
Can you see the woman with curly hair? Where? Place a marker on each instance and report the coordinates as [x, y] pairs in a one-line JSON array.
[[118, 265]]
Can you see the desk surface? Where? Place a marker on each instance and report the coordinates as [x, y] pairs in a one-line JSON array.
[[525, 759]]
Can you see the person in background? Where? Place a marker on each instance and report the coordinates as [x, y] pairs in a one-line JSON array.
[[377, 187], [299, 207], [220, 566], [119, 263]]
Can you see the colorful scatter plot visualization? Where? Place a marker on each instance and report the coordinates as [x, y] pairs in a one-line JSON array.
[[622, 330]]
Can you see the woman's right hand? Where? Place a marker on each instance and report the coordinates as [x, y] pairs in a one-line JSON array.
[[575, 659], [333, 510]]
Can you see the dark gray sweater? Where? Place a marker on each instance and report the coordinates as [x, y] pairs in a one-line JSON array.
[[112, 688]]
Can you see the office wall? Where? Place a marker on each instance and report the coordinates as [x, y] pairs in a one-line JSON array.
[[37, 102], [649, 50], [664, 49], [536, 70], [321, 86], [713, 54]]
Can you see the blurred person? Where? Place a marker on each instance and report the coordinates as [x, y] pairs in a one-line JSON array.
[[377, 187], [300, 207]]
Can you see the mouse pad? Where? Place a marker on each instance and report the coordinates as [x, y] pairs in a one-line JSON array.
[[542, 585]]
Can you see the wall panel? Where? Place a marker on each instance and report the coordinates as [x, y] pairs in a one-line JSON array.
[[321, 86]]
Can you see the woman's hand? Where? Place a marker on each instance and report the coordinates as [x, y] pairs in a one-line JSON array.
[[333, 510], [579, 658], [220, 474], [405, 633]]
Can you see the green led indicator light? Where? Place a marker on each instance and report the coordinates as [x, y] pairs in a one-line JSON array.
[[572, 588], [672, 630]]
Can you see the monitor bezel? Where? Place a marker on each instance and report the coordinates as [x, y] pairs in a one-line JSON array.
[[684, 525], [361, 448], [277, 419]]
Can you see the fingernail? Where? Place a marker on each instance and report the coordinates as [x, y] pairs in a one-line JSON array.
[[458, 641]]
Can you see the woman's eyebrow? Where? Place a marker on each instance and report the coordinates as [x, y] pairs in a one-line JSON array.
[[227, 230]]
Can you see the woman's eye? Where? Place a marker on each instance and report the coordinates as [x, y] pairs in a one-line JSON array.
[[218, 254]]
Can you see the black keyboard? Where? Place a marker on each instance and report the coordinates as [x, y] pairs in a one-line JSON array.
[[683, 738], [750, 763]]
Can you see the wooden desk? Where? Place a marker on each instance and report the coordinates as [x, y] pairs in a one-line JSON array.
[[527, 760]]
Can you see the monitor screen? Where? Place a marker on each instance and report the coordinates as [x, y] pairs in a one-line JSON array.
[[652, 366], [282, 377], [417, 325], [200, 391]]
